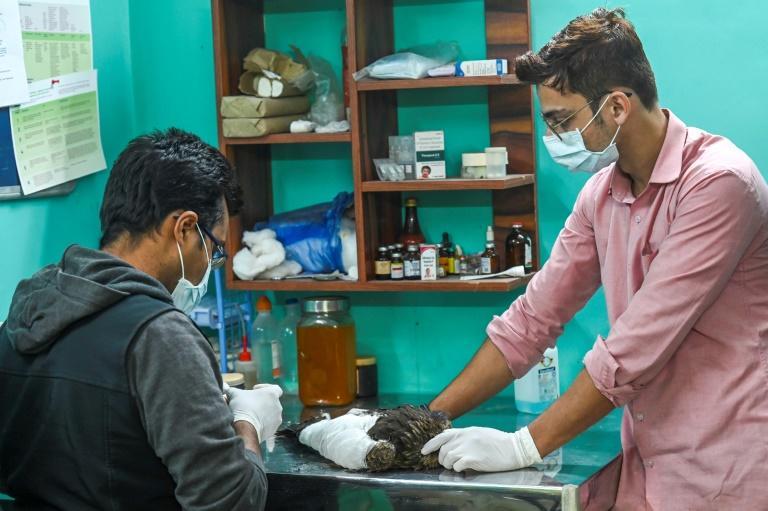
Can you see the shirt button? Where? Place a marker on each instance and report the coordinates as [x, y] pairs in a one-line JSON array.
[[640, 417], [649, 464], [637, 219]]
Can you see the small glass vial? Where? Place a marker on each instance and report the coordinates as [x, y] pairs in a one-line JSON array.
[[383, 265], [463, 266], [397, 268], [412, 263], [489, 261]]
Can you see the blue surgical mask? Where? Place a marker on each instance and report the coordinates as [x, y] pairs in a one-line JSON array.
[[186, 296], [571, 152]]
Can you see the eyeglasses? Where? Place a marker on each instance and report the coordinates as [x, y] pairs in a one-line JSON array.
[[554, 128], [219, 256]]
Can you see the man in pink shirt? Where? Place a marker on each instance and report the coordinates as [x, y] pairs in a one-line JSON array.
[[674, 226]]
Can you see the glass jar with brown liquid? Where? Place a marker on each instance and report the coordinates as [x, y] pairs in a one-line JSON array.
[[326, 352]]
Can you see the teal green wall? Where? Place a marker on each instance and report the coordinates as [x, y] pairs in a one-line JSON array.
[[37, 230], [156, 70]]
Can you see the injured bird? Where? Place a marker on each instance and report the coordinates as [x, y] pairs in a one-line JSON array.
[[376, 440]]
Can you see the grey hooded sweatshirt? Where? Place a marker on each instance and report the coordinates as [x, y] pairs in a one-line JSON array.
[[173, 375]]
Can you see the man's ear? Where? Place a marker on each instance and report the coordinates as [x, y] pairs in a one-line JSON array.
[[620, 106], [182, 225]]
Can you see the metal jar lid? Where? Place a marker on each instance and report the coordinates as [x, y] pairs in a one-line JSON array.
[[324, 304], [365, 361]]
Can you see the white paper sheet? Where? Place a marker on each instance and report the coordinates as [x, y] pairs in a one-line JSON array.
[[13, 76], [57, 37], [56, 136]]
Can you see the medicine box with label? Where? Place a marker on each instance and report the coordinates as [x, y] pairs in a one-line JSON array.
[[493, 67], [430, 154], [428, 262]]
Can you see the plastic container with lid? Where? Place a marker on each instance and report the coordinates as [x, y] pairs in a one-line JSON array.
[[496, 160], [473, 166], [236, 380], [326, 352]]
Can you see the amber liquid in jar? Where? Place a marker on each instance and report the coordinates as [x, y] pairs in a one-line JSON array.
[[326, 357]]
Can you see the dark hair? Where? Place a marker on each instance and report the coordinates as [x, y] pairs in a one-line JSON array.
[[163, 172], [591, 55]]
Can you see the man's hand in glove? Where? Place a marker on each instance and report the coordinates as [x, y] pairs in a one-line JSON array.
[[260, 407], [484, 449]]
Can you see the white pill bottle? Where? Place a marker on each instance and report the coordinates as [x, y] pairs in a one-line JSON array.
[[540, 387]]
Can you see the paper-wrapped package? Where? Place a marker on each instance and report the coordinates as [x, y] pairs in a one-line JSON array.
[[258, 127], [252, 107]]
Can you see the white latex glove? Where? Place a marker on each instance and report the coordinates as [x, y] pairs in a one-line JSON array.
[[484, 449], [261, 407]]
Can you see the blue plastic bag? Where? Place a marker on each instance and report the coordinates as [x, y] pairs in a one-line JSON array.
[[311, 235]]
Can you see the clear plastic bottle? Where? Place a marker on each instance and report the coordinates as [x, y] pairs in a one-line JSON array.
[[266, 345], [247, 366], [288, 345], [535, 391]]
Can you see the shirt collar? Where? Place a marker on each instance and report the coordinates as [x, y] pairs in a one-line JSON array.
[[668, 165]]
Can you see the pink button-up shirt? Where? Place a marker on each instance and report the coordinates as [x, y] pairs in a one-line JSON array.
[[685, 270]]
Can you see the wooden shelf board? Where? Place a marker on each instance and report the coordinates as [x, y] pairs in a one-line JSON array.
[[510, 181], [291, 138], [372, 84], [449, 284]]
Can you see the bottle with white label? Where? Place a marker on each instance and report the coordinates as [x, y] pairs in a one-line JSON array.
[[267, 344], [540, 387]]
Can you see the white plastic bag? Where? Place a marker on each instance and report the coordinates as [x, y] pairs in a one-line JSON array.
[[412, 63]]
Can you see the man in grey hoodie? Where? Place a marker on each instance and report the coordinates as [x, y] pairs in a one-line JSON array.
[[111, 398]]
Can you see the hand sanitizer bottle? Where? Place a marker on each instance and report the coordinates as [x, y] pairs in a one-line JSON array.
[[540, 387]]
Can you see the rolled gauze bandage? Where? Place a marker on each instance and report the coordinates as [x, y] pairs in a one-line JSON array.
[[343, 440]]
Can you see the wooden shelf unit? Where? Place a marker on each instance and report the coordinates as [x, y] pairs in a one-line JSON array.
[[392, 286], [292, 138], [504, 183], [239, 27], [372, 84]]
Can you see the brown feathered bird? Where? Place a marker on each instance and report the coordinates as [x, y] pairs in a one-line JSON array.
[[400, 434]]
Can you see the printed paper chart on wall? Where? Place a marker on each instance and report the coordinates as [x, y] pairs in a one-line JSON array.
[[56, 136], [57, 37]]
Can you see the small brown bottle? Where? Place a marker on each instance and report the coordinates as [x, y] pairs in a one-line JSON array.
[[397, 268], [489, 260], [519, 249], [383, 264]]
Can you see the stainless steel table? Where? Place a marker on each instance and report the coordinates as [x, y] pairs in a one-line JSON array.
[[300, 479]]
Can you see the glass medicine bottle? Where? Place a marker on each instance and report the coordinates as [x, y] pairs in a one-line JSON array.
[[489, 260], [397, 267], [383, 264], [413, 263], [519, 248], [411, 234]]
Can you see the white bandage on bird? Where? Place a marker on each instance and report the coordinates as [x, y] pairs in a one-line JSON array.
[[343, 440]]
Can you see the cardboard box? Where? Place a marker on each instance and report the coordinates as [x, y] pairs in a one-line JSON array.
[[492, 67], [430, 154], [428, 262]]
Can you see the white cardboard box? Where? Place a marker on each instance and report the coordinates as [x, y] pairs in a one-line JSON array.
[[492, 67], [430, 154]]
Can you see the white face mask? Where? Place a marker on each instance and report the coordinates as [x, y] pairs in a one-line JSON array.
[[187, 296], [571, 152]]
